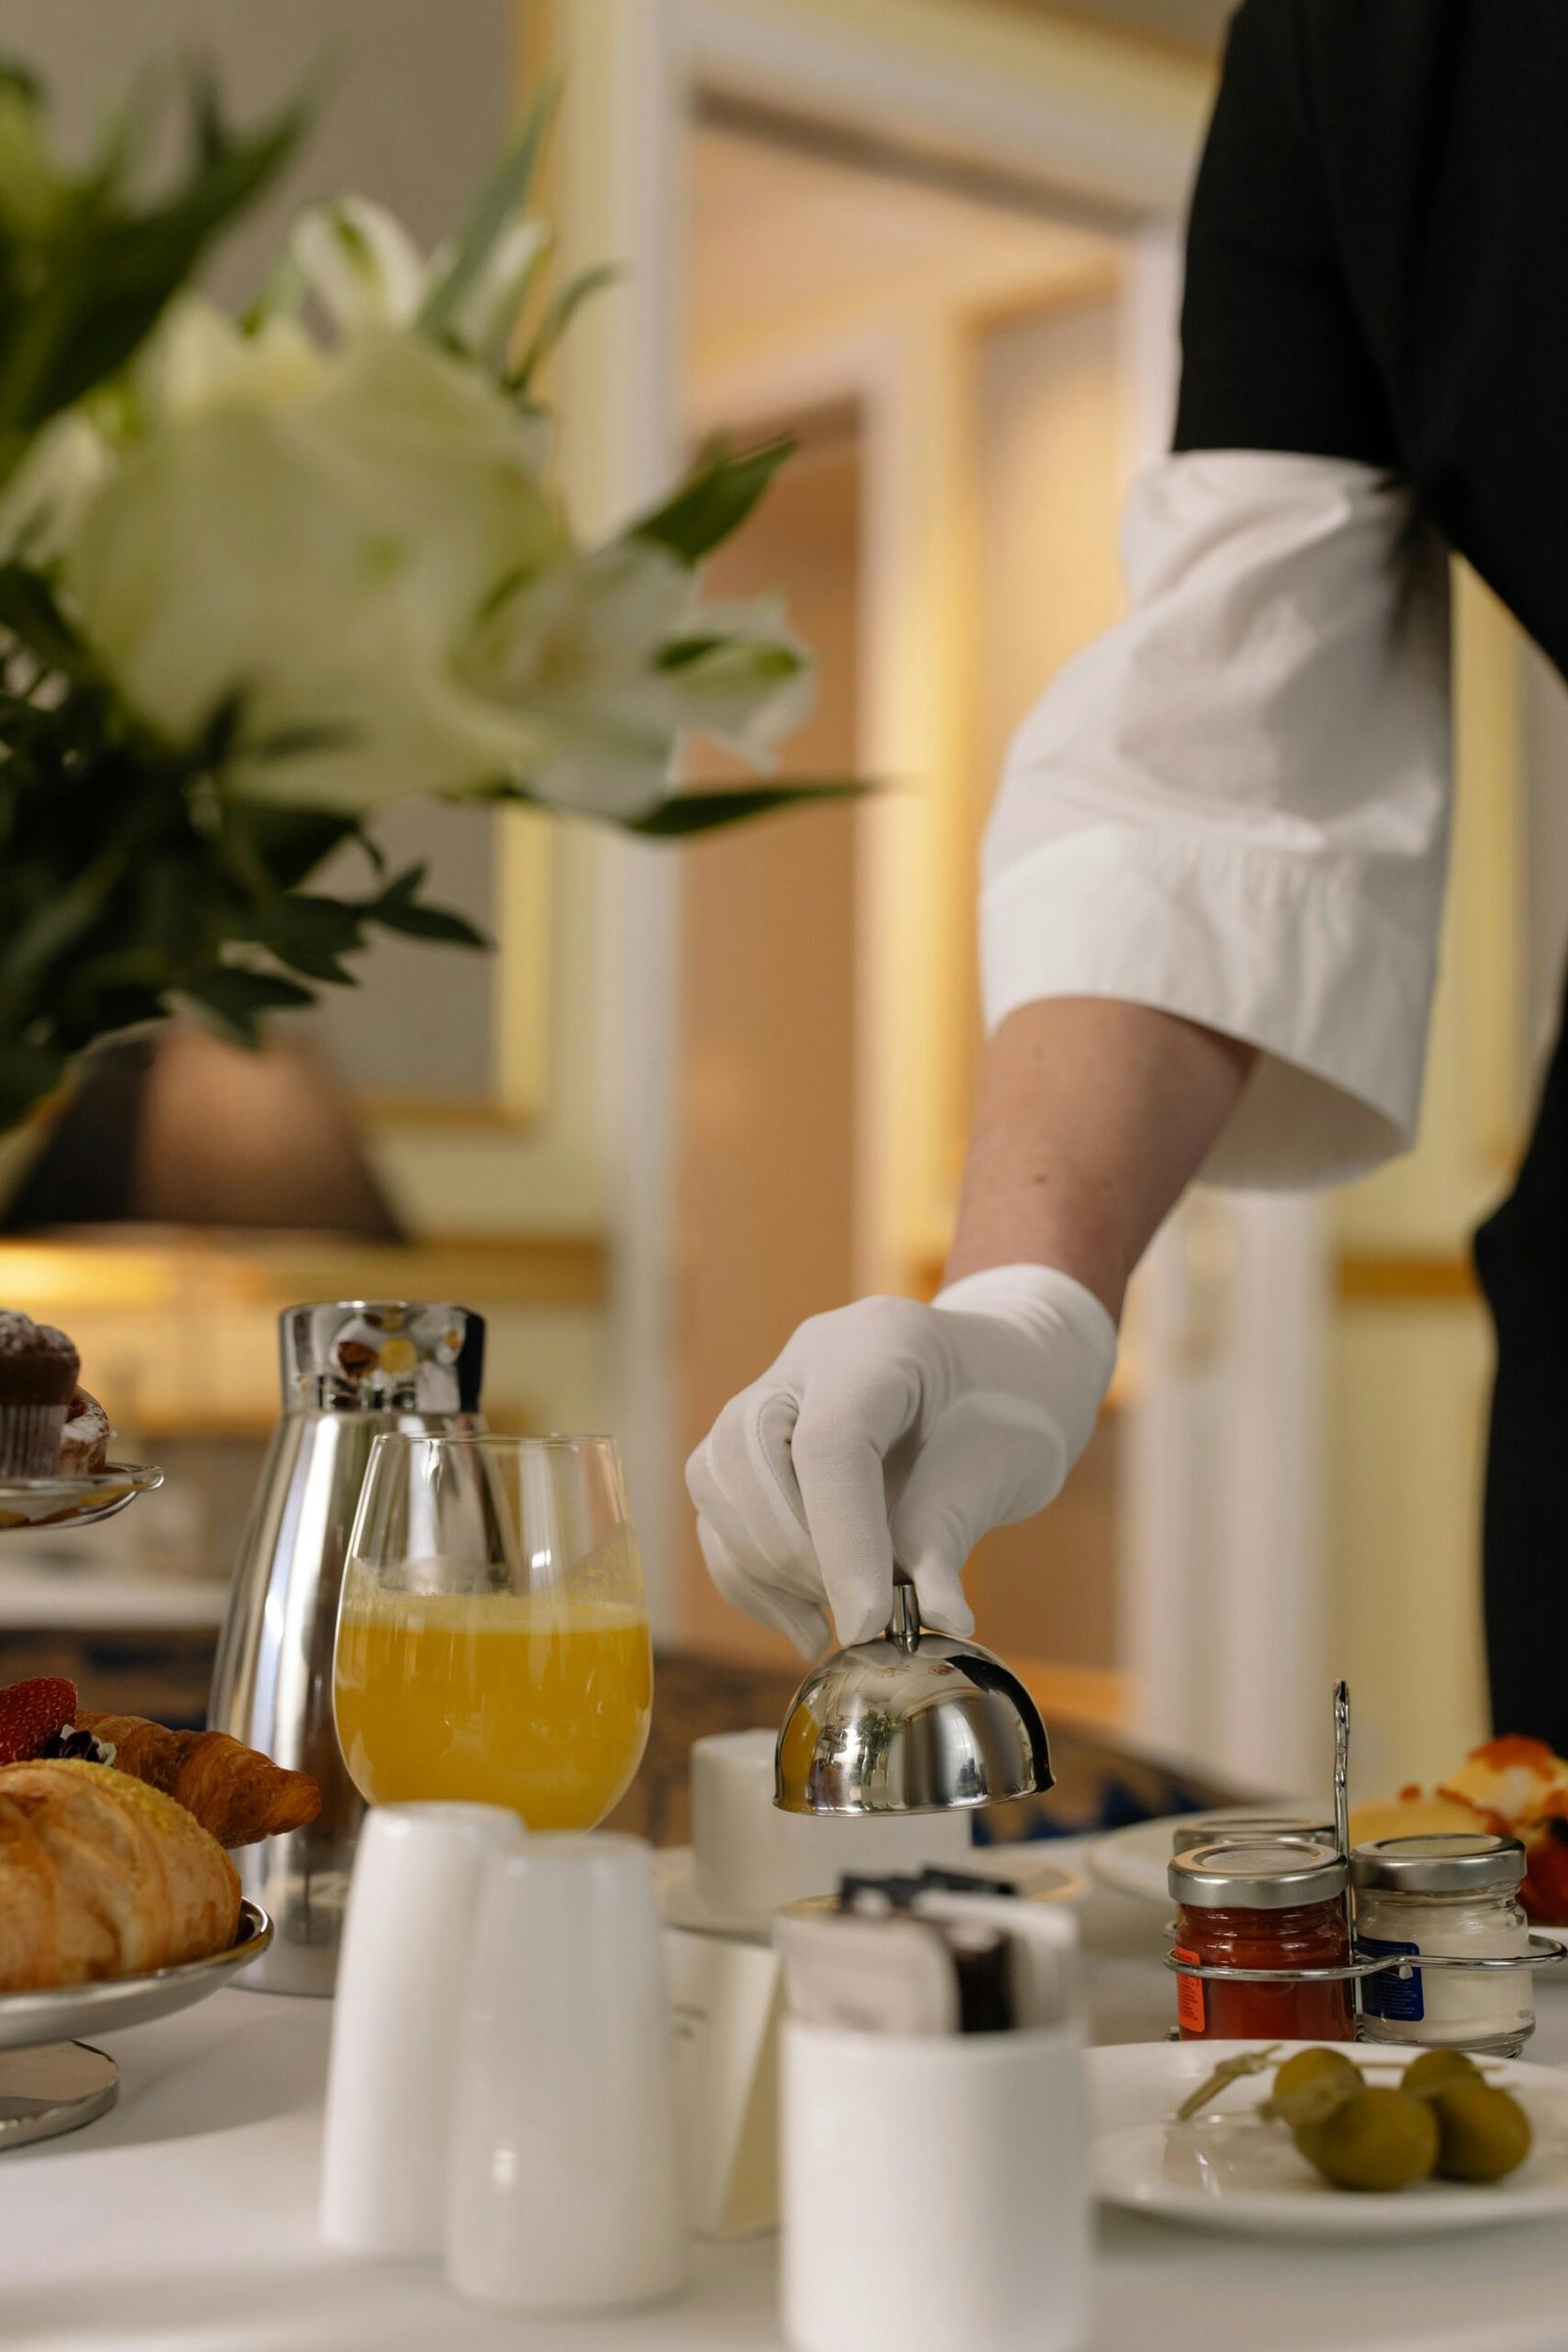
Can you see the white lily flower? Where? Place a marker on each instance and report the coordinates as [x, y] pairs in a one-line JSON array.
[[747, 680], [360, 263], [197, 357], [43, 500], [325, 552], [578, 648]]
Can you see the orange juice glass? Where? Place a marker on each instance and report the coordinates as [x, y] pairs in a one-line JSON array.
[[492, 1636]]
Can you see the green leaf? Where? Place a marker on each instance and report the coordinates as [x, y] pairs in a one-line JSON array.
[[102, 280], [21, 80], [558, 318], [502, 195], [231, 1000], [289, 844], [398, 909], [688, 812], [714, 502], [27, 607], [28, 1073], [311, 934]]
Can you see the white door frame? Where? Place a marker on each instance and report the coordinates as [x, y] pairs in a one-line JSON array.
[[1095, 121]]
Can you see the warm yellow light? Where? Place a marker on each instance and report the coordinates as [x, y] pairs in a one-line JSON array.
[[41, 1276]]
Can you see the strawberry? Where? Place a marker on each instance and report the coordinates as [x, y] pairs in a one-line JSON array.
[[30, 1714]]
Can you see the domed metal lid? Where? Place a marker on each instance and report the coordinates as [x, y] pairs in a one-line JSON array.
[[381, 1355], [913, 1722]]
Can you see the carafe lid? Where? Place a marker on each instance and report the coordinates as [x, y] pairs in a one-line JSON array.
[[381, 1355]]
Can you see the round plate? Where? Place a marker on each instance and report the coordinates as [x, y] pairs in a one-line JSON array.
[[1037, 1881], [1228, 2170], [1135, 1861], [76, 1501], [68, 2011]]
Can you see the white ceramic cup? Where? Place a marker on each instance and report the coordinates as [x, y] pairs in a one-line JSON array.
[[564, 2183], [934, 2191], [749, 1859], [400, 1993]]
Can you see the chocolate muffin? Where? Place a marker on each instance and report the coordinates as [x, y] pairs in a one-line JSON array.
[[38, 1367], [84, 1440]]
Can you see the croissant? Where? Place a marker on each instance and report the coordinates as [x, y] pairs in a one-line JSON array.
[[235, 1793], [101, 1876]]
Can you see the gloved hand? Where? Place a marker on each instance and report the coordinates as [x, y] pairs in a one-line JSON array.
[[891, 1428]]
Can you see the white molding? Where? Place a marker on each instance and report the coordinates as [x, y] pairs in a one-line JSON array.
[[1102, 125]]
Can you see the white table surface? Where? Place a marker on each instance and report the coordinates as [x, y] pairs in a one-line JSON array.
[[184, 2222]]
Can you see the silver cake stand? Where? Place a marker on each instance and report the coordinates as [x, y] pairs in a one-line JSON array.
[[50, 2080], [80, 1501]]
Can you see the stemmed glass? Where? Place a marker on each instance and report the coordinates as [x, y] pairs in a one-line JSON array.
[[492, 1634]]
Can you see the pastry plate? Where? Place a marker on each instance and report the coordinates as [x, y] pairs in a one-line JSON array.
[[1228, 2170], [1134, 1861], [71, 2011], [1037, 1879], [76, 1501]]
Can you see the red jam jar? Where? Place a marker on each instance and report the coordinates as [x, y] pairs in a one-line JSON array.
[[1270, 1903]]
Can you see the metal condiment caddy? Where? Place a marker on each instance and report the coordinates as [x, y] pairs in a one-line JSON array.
[[1540, 1952]]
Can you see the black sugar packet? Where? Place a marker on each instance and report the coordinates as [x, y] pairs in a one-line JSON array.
[[899, 1889], [980, 1955]]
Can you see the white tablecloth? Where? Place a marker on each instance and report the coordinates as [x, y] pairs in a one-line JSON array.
[[184, 2222]]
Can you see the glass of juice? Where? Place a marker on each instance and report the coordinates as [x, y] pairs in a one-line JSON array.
[[492, 1636]]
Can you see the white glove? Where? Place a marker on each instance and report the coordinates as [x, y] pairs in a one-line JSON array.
[[891, 1428]]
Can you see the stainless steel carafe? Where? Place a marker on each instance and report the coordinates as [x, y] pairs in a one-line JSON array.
[[351, 1368]]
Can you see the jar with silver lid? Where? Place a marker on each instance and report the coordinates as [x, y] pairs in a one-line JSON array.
[[1454, 1896], [1273, 1904]]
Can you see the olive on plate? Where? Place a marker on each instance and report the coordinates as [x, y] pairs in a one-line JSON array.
[[1483, 2133], [1434, 2069], [1378, 2141]]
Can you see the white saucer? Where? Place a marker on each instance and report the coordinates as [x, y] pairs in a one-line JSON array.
[[1134, 1861], [1037, 1878], [1228, 2170]]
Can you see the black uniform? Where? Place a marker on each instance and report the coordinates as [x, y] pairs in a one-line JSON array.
[[1378, 270]]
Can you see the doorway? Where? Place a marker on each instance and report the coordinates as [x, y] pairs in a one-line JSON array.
[[951, 366]]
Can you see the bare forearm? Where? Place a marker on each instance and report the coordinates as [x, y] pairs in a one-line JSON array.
[[1093, 1115]]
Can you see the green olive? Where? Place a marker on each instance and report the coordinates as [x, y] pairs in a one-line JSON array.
[[1308, 2070], [1380, 2140], [1423, 2074], [1483, 2133]]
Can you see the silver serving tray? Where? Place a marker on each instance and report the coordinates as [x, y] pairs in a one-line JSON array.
[[70, 2010], [80, 1501]]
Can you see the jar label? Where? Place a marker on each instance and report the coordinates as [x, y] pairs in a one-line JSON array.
[[1390, 1995], [1189, 2012]]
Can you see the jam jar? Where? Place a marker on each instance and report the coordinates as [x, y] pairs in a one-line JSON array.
[[1262, 1902]]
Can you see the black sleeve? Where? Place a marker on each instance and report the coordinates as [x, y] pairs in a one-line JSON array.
[[1271, 353]]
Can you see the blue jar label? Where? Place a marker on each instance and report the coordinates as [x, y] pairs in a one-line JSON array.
[[1391, 1996]]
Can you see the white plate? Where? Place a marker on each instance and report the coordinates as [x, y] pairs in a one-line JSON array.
[[68, 2011], [1134, 1861], [1228, 2170], [1038, 1881]]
